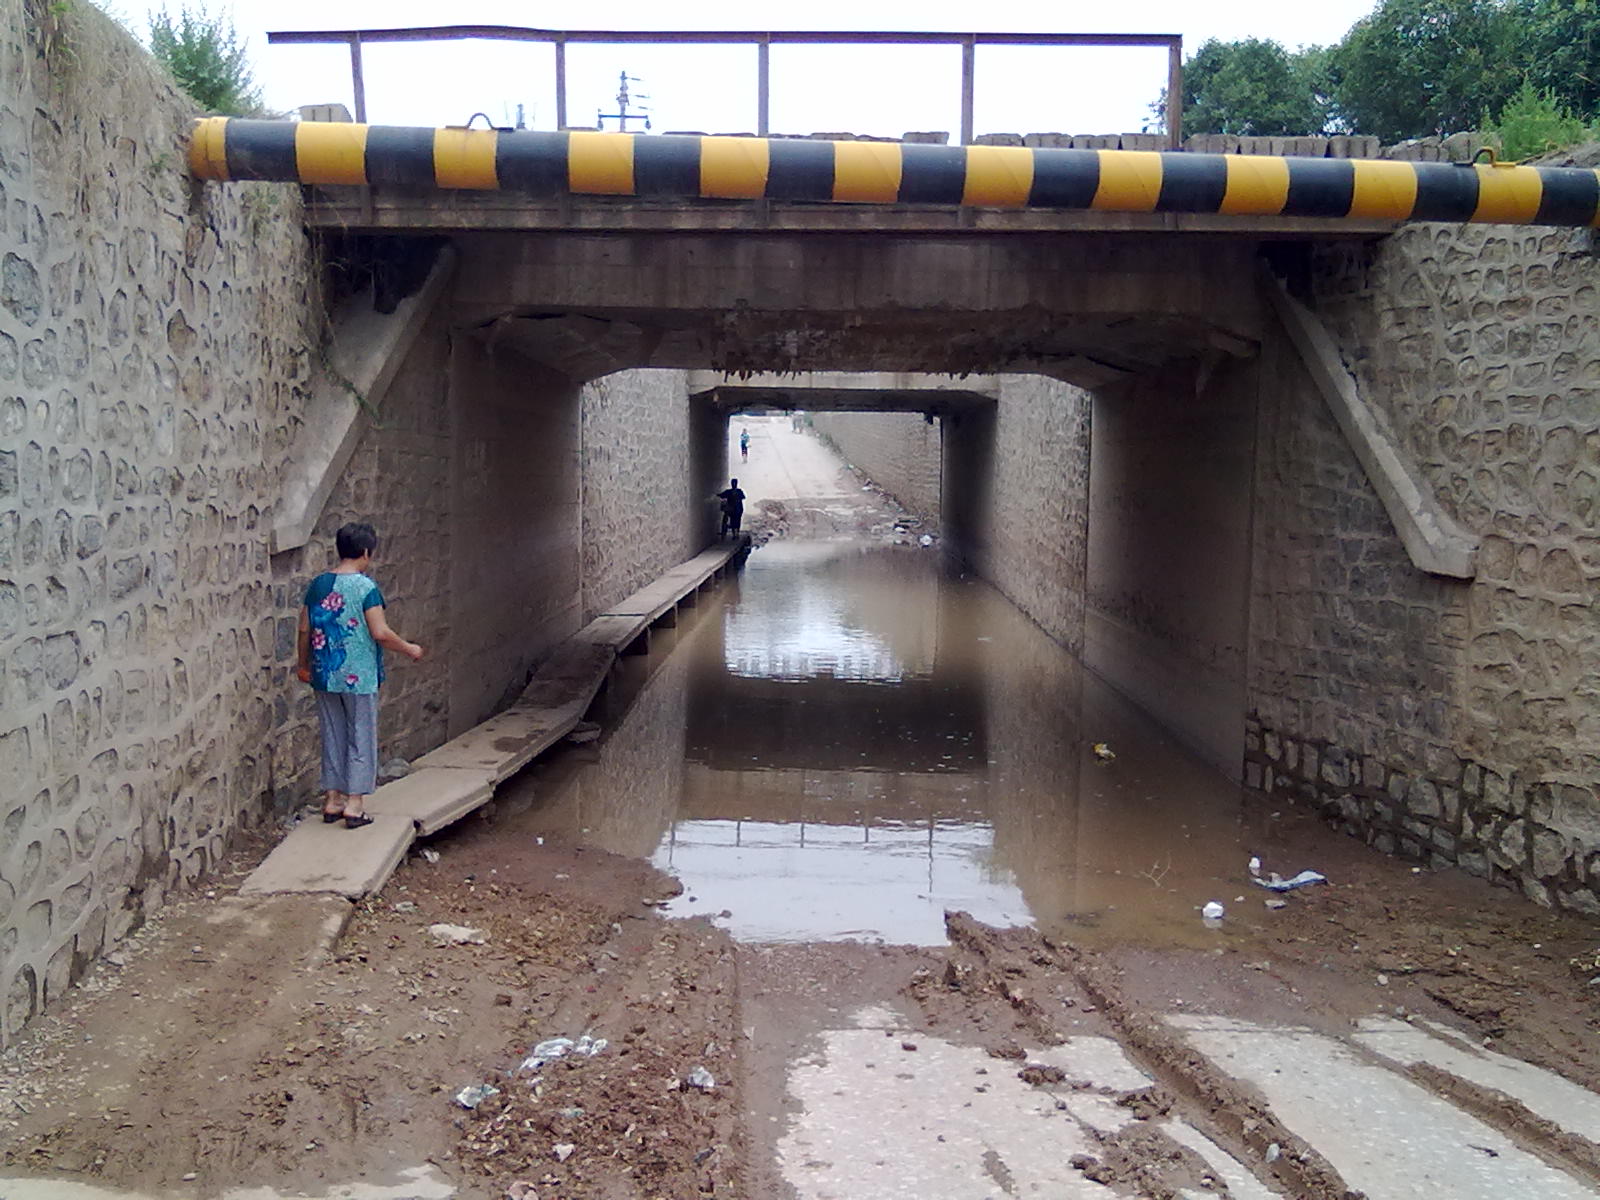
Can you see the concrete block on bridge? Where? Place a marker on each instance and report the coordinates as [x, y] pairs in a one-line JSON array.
[[317, 857]]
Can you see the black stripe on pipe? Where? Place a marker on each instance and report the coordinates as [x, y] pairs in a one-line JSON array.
[[1570, 197], [1194, 183], [260, 149], [1320, 187], [399, 154], [1064, 178], [799, 170], [525, 161], [932, 174], [666, 166], [1445, 192]]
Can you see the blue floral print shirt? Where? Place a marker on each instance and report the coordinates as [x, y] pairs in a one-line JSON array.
[[344, 658]]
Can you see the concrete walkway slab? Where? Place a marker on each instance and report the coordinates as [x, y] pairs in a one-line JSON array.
[[875, 1123], [433, 797], [412, 1183], [570, 681], [1386, 1135], [613, 632], [651, 602], [330, 858], [503, 744], [1559, 1101], [872, 1121]]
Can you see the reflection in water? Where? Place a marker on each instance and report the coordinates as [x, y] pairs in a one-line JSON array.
[[843, 743], [887, 881], [827, 610]]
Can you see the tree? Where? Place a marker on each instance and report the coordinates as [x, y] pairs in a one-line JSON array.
[[207, 58], [1253, 87], [1560, 50], [1416, 67]]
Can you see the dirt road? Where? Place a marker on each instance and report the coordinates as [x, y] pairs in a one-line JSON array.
[[181, 1071], [798, 488]]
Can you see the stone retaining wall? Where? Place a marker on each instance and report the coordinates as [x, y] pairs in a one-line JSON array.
[[646, 482], [155, 343], [900, 452], [1016, 498], [1453, 722]]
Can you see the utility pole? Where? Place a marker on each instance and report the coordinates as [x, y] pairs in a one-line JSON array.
[[622, 116]]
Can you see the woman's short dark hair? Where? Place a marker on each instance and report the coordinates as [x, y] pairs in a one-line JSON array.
[[355, 539]]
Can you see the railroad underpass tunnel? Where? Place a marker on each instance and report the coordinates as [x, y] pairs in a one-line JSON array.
[[1092, 462], [1093, 409]]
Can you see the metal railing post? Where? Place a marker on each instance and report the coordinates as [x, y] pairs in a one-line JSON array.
[[358, 83], [561, 83], [1175, 93], [969, 58], [764, 86]]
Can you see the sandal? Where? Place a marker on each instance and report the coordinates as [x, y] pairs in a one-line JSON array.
[[357, 820], [328, 818]]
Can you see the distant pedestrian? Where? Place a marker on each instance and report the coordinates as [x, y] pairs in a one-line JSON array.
[[744, 444], [732, 507], [341, 641]]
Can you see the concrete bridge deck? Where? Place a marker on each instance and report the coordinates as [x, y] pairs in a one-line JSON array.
[[401, 210]]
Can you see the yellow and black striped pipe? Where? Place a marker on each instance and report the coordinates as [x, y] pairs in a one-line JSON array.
[[622, 164]]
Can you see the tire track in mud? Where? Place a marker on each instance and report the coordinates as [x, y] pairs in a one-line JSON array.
[[1018, 966]]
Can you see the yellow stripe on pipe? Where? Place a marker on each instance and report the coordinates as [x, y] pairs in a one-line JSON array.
[[1383, 189], [464, 158], [330, 152], [1257, 185], [733, 168], [208, 148], [1130, 181], [1508, 194], [866, 172], [998, 176], [600, 164]]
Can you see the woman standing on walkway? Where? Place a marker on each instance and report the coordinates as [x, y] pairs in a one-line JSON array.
[[342, 637]]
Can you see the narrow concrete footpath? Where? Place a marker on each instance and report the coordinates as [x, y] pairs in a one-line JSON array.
[[460, 776]]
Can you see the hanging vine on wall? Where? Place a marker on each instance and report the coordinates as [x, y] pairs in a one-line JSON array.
[[51, 25]]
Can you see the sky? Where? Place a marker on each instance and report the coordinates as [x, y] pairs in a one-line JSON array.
[[872, 90]]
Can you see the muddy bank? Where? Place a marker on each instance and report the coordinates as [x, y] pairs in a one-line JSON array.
[[207, 1059]]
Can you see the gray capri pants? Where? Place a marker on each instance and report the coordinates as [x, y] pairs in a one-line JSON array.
[[349, 723]]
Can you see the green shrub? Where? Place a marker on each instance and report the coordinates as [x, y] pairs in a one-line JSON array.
[[207, 58], [1534, 122]]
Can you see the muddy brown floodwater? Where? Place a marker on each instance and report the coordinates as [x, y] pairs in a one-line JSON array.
[[860, 913], [852, 741]]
